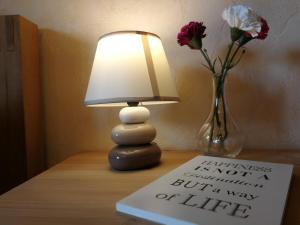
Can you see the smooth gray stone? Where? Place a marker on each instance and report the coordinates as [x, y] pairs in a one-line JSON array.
[[134, 157], [133, 134]]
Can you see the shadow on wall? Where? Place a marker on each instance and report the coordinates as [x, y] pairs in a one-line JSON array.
[[293, 57], [257, 112], [65, 68], [257, 103], [179, 123]]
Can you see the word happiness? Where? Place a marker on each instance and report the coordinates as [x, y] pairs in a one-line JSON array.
[[237, 166]]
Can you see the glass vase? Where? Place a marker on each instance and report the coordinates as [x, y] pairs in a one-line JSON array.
[[220, 136]]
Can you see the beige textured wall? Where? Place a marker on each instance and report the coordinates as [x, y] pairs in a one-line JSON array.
[[263, 91]]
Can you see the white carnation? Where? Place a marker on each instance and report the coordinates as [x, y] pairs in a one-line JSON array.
[[243, 18]]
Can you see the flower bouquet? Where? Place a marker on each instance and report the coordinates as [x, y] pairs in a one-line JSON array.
[[220, 135]]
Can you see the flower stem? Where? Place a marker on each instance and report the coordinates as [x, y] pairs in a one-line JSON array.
[[217, 96], [233, 55], [211, 133], [224, 116], [219, 107], [226, 58], [206, 57]]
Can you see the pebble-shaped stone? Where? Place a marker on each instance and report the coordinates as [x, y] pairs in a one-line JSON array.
[[133, 134], [135, 114], [134, 157]]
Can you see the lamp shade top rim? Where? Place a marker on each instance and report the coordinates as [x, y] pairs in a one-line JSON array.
[[128, 32]]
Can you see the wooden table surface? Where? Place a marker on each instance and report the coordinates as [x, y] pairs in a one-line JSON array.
[[83, 190]]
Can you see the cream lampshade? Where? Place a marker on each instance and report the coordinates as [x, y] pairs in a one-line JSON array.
[[131, 69]]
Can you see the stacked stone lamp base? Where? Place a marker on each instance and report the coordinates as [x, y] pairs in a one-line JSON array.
[[135, 149]]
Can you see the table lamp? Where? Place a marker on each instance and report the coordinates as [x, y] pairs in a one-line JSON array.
[[130, 69]]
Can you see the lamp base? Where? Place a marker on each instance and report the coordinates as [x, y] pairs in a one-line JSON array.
[[134, 157]]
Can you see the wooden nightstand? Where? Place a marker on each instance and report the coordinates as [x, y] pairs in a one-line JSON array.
[[83, 190]]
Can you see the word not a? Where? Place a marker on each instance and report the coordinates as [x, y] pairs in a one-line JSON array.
[[229, 172]]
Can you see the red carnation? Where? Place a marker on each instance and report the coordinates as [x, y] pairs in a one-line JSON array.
[[191, 35], [246, 37], [264, 29], [263, 32]]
